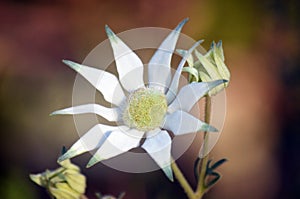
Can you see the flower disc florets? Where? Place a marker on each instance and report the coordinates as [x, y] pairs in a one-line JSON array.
[[145, 110]]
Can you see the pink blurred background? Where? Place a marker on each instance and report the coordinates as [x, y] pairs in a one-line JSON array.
[[261, 134]]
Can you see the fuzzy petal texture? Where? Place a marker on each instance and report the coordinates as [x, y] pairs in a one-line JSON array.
[[130, 67], [159, 67], [63, 191], [209, 66], [89, 141], [111, 114], [159, 148], [194, 91], [76, 180], [219, 59], [100, 80], [115, 144], [181, 123]]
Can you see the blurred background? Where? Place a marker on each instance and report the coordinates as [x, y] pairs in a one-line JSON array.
[[261, 134]]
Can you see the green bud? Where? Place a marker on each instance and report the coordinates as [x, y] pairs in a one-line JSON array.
[[65, 182], [63, 191], [76, 180], [208, 67]]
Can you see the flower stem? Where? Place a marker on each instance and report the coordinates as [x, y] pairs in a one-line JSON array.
[[201, 186], [183, 182]]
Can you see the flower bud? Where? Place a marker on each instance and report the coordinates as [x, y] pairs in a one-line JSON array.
[[65, 182]]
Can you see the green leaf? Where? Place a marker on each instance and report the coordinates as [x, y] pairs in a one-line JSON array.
[[218, 163], [197, 168], [214, 180]]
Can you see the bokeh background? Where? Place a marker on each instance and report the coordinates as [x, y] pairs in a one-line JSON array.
[[261, 134]]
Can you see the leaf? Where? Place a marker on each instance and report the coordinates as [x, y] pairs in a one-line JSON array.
[[218, 163], [214, 180], [197, 168]]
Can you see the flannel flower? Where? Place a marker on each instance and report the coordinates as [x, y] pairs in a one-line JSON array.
[[208, 67], [145, 114]]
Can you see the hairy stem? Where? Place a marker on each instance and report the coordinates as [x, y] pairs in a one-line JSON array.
[[183, 182], [201, 186]]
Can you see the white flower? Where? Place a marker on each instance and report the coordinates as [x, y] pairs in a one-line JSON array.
[[139, 110]]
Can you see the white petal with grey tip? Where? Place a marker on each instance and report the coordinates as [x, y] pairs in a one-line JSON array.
[[159, 69], [181, 123], [105, 82], [159, 148], [129, 66], [195, 91], [111, 114], [115, 144], [89, 141]]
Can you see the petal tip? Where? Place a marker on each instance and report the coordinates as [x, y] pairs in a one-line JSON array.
[[69, 154], [194, 47], [200, 41], [71, 64], [169, 173], [219, 44], [58, 112], [61, 158], [211, 129], [225, 80], [181, 24], [110, 33], [94, 160]]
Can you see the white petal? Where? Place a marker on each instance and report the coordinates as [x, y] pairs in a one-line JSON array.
[[152, 132], [103, 81], [116, 143], [111, 114], [159, 70], [159, 148], [181, 123], [129, 65], [174, 85], [190, 94], [89, 141]]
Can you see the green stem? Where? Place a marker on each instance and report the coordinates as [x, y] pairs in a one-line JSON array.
[[201, 186], [183, 182]]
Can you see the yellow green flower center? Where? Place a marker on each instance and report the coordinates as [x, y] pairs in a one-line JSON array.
[[146, 109]]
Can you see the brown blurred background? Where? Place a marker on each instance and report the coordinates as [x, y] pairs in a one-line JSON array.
[[261, 134]]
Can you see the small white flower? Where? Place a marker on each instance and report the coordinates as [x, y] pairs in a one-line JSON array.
[[139, 110]]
